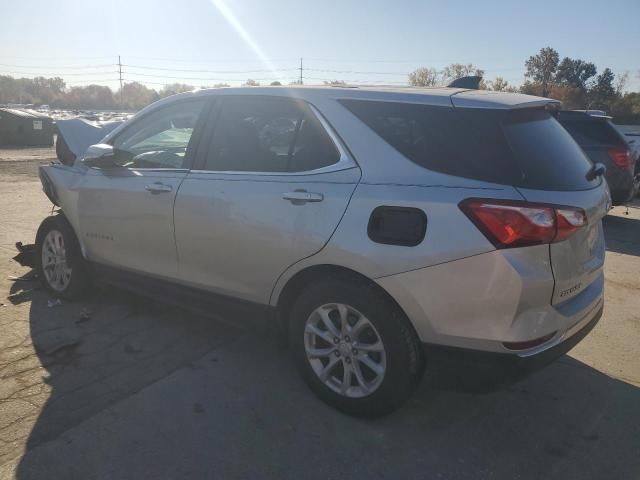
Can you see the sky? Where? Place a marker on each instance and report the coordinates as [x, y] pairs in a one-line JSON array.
[[202, 42]]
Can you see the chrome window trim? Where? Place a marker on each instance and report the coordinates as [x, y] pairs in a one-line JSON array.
[[345, 161], [133, 169]]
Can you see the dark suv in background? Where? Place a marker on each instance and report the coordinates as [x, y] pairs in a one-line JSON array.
[[603, 143]]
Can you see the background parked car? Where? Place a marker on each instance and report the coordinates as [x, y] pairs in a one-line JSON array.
[[632, 135], [604, 143]]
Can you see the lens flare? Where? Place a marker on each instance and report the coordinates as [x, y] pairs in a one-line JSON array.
[[230, 17]]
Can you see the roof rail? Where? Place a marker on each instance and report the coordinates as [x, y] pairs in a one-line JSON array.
[[471, 81]]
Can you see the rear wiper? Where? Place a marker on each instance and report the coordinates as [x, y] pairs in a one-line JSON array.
[[597, 170]]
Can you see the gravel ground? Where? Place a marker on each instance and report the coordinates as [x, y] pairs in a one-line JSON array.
[[122, 387]]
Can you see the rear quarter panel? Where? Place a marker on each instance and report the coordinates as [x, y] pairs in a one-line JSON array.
[[450, 235]]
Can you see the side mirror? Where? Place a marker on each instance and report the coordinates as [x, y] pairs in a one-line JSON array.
[[100, 156]]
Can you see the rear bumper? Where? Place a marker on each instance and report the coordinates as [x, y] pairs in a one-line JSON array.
[[466, 369], [489, 300]]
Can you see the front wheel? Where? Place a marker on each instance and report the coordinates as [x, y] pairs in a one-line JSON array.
[[354, 347], [59, 261]]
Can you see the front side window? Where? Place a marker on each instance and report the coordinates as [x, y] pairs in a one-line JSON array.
[[268, 134], [159, 139]]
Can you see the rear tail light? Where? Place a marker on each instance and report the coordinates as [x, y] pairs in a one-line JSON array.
[[621, 157], [511, 223]]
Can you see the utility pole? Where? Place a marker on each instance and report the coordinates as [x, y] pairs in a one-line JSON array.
[[300, 70], [120, 74]]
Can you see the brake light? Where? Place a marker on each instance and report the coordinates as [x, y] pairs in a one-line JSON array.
[[510, 223], [621, 157]]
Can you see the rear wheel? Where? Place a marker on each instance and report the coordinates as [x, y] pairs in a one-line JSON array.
[[59, 261], [354, 347]]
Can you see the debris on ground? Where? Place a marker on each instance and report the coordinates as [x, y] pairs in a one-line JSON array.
[[27, 277], [85, 315], [20, 293], [25, 256], [54, 302]]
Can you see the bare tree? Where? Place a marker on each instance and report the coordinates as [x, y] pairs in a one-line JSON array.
[[459, 70], [500, 85], [424, 77], [335, 83]]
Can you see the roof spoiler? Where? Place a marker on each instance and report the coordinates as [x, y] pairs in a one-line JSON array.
[[471, 81]]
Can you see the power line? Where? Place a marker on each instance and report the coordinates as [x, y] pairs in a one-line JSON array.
[[64, 67], [359, 72], [105, 80], [146, 67], [134, 74], [77, 74]]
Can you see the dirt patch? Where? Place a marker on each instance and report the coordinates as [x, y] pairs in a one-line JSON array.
[[23, 162]]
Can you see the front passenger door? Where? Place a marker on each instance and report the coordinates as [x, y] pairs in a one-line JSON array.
[[126, 213]]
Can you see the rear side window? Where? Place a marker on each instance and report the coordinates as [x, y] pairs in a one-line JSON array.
[[526, 148], [549, 158], [589, 132], [268, 134]]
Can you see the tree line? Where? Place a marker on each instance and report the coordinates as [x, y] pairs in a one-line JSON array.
[[55, 93], [575, 82]]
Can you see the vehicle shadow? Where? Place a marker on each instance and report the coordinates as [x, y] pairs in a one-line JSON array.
[[230, 405], [622, 234], [99, 352]]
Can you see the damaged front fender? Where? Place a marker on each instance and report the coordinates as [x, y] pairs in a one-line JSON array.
[[60, 184]]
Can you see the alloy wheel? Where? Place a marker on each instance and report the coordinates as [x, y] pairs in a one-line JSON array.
[[345, 350], [55, 268]]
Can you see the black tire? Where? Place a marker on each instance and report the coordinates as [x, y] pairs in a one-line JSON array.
[[79, 279], [404, 358]]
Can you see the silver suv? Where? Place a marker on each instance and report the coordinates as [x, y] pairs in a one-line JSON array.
[[375, 224]]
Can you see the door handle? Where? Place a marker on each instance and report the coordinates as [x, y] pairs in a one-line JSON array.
[[158, 188], [299, 197]]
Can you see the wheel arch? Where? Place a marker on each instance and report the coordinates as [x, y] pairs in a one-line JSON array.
[[284, 298], [59, 216]]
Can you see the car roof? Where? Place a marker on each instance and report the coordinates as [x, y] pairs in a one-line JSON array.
[[443, 96]]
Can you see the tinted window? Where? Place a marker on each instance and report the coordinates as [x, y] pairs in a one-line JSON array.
[[549, 158], [525, 148], [159, 139], [592, 132], [268, 134]]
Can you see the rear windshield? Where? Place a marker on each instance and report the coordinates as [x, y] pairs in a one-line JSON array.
[[526, 148], [592, 132]]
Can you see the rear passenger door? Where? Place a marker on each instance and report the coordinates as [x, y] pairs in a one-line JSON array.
[[268, 189]]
